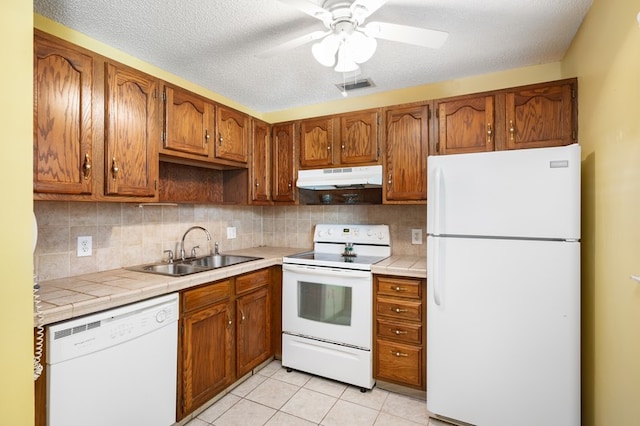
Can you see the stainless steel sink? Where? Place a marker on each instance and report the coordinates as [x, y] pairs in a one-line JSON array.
[[220, 260], [192, 266]]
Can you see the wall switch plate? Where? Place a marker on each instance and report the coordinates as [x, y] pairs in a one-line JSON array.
[[416, 236], [84, 246], [231, 232]]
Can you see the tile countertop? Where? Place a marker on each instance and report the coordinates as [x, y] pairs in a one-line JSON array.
[[71, 297]]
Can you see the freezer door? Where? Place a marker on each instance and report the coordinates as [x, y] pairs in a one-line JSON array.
[[503, 331], [529, 193]]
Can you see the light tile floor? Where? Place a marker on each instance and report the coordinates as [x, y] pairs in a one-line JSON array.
[[275, 397]]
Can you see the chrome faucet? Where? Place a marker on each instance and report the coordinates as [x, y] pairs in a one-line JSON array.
[[185, 235], [216, 249]]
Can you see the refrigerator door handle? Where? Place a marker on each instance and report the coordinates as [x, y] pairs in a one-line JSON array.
[[436, 271], [438, 202]]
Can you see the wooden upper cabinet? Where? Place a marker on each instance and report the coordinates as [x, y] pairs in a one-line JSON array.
[[189, 123], [542, 115], [260, 162], [406, 154], [63, 158], [466, 125], [234, 132], [359, 139], [132, 132], [283, 168], [316, 142]]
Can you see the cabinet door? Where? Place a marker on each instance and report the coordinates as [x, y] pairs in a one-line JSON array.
[[406, 153], [188, 122], [541, 116], [206, 342], [316, 141], [359, 137], [63, 119], [283, 164], [261, 163], [132, 132], [253, 330], [466, 125], [233, 135]]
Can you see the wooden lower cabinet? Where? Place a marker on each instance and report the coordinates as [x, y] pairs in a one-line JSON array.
[[224, 333], [399, 351], [205, 345]]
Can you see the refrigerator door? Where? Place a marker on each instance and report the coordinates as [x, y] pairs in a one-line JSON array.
[[503, 331], [528, 193]]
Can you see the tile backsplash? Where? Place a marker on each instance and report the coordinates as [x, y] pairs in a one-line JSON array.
[[125, 234]]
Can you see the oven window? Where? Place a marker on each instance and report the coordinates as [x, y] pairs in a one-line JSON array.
[[325, 303]]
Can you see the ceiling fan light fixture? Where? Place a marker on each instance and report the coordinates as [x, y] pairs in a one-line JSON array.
[[362, 47], [345, 60], [325, 51]]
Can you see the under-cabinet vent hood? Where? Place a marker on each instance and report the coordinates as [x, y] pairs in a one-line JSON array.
[[340, 178]]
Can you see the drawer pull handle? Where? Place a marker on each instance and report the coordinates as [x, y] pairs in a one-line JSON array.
[[398, 310], [399, 354], [399, 289], [398, 332]]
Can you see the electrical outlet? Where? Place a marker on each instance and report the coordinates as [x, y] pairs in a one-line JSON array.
[[84, 246], [231, 232], [416, 236]]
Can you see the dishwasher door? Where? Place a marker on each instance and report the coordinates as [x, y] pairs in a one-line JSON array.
[[117, 367]]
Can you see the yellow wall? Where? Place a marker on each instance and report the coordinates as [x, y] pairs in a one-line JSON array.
[[16, 138], [605, 56]]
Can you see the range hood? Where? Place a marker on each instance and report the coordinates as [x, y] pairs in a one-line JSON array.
[[340, 178]]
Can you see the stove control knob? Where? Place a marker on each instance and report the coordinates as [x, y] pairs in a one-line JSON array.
[[369, 232], [321, 233], [330, 231]]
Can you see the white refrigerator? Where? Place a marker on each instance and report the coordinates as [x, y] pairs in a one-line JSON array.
[[503, 280]]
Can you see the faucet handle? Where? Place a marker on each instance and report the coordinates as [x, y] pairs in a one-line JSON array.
[[216, 249], [170, 260], [193, 251]]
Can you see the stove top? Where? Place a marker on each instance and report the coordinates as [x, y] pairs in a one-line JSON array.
[[346, 246]]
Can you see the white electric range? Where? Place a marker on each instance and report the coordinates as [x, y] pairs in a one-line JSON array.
[[327, 303]]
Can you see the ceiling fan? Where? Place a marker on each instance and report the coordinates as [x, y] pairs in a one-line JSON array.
[[347, 35]]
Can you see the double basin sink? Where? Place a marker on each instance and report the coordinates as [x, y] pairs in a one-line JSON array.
[[193, 265]]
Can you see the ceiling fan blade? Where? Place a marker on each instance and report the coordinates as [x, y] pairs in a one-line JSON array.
[[362, 9], [406, 34], [310, 9], [292, 44]]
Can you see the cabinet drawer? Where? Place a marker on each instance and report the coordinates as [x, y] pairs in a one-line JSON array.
[[400, 287], [205, 295], [399, 330], [399, 309], [403, 364], [253, 280]]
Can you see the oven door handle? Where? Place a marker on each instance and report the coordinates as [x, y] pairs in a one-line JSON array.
[[326, 272]]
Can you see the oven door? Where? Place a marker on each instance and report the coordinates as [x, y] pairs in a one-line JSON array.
[[329, 304]]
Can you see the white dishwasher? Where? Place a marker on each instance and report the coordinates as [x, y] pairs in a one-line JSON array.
[[116, 367]]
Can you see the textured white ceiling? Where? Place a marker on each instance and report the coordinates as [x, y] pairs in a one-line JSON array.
[[214, 43]]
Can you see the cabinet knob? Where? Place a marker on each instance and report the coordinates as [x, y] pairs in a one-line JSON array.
[[257, 183], [342, 146], [221, 139], [206, 136], [399, 354], [397, 332], [114, 168], [512, 130], [328, 147], [389, 180], [400, 289], [86, 167], [489, 132], [398, 310]]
